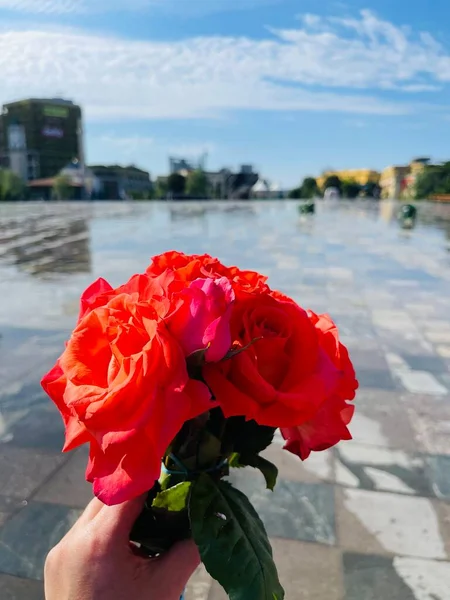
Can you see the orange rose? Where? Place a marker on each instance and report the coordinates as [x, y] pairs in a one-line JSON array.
[[188, 268], [122, 383]]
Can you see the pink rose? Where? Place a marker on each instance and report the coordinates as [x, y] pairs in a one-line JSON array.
[[200, 317]]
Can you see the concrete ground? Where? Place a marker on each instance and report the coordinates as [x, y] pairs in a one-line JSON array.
[[367, 520]]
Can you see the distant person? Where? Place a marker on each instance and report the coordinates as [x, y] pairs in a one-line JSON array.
[[332, 193], [95, 560]]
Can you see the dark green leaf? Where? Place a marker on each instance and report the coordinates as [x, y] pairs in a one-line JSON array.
[[174, 499], [233, 543], [195, 363], [247, 437], [268, 469]]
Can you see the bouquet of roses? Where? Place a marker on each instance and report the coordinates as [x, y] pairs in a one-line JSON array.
[[184, 373]]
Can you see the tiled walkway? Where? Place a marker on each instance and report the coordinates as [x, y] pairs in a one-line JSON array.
[[369, 520]]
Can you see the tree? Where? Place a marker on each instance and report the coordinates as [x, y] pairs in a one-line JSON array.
[[309, 188], [372, 190], [332, 181], [350, 189], [176, 184], [434, 179], [11, 186], [161, 188], [295, 194], [197, 184], [62, 188]]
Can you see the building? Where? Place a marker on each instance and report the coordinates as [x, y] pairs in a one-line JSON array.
[[38, 137], [360, 176], [391, 181], [85, 186], [121, 183], [225, 184], [181, 165], [399, 181], [265, 190], [185, 166]]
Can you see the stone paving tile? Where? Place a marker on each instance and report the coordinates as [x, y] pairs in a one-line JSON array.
[[26, 539], [439, 475], [432, 364], [443, 351], [430, 420], [422, 382], [368, 360], [391, 524], [9, 506], [385, 426], [319, 466], [376, 378], [23, 349], [14, 588], [384, 469], [41, 428], [377, 400], [388, 297], [23, 470], [296, 511], [29, 419], [68, 486], [199, 585], [438, 337], [399, 578], [306, 571]]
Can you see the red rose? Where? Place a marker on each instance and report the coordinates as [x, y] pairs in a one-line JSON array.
[[122, 382], [329, 424], [326, 429], [285, 375]]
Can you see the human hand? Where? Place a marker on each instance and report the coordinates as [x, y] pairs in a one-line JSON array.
[[95, 561]]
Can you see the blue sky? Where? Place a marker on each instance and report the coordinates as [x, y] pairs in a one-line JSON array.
[[291, 86]]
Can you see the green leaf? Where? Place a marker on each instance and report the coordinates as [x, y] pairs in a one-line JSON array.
[[268, 469], [173, 499], [247, 437], [233, 543], [195, 363], [234, 461]]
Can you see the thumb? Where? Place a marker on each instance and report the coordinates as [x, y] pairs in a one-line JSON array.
[[119, 519], [178, 565]]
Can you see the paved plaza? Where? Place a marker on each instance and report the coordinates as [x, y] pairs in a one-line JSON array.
[[368, 520]]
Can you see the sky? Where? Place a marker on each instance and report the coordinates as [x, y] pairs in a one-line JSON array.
[[293, 87]]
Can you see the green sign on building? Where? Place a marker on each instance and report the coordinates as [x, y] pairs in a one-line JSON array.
[[59, 112]]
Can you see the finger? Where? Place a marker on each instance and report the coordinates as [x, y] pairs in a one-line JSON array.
[[90, 512], [119, 520], [178, 565]]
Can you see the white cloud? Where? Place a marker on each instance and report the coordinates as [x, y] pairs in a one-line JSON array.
[[205, 76], [187, 7], [363, 52], [59, 7]]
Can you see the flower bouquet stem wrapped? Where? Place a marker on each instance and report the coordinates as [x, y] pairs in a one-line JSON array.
[[185, 373]]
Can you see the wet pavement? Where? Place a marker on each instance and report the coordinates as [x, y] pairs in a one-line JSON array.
[[367, 520]]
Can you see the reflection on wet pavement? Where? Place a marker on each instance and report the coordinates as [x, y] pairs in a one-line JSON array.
[[370, 519]]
